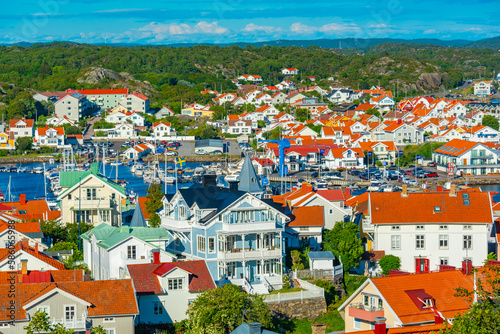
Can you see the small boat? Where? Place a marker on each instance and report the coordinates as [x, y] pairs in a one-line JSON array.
[[38, 170], [232, 177], [321, 184], [2, 197], [199, 171], [116, 163], [21, 170]]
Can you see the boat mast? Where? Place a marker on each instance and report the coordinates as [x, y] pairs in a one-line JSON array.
[[116, 179], [165, 177], [9, 197], [103, 161], [45, 181]]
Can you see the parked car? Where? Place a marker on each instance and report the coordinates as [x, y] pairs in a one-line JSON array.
[[430, 174], [217, 152], [432, 164], [315, 174], [354, 172], [412, 183], [201, 151], [172, 153], [392, 176]]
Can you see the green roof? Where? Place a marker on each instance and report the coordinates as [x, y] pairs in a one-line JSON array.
[[70, 179], [109, 236]]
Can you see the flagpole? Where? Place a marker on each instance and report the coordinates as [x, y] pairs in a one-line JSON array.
[[176, 176]]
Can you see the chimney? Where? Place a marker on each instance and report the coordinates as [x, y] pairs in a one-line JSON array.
[[453, 192], [439, 188], [307, 187], [36, 248], [254, 328], [24, 266], [438, 320], [156, 256], [380, 326], [209, 180], [466, 267], [404, 193], [233, 185], [318, 328], [22, 199]]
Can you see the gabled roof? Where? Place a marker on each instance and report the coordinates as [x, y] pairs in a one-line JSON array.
[[332, 195], [35, 209], [13, 122], [24, 246], [430, 207], [43, 131], [106, 298], [145, 276], [112, 91], [138, 219], [249, 181], [456, 147], [307, 216]]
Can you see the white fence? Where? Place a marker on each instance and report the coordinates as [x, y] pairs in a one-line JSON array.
[[311, 291]]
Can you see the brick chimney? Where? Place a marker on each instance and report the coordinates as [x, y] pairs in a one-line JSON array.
[[453, 191], [380, 326], [254, 328], [36, 248], [24, 266], [22, 199], [156, 256], [318, 328], [404, 192]]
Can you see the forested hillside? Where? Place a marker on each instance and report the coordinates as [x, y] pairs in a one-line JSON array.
[[169, 75]]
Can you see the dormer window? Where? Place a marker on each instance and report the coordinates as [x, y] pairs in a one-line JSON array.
[[428, 303], [175, 283], [421, 299], [437, 209]]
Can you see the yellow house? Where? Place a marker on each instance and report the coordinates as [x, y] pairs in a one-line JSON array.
[[7, 141]]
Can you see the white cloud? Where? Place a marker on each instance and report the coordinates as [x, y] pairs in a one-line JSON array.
[[430, 31], [381, 26], [474, 29], [256, 28], [121, 10], [300, 28], [161, 31]]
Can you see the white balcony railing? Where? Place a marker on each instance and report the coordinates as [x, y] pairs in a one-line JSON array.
[[250, 227], [250, 254], [75, 323], [92, 203], [168, 222]]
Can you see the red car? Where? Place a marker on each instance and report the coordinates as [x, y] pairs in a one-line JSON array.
[[431, 174], [409, 172]]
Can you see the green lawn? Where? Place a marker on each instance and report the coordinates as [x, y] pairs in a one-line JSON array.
[[332, 319], [285, 291]]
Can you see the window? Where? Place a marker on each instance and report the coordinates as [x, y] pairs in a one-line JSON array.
[[466, 202], [395, 242], [357, 323], [109, 320], [69, 196], [91, 194], [175, 283], [427, 303], [201, 244], [197, 215], [420, 227], [443, 227], [443, 242], [304, 228], [467, 241], [366, 301], [182, 211], [69, 312], [396, 227], [190, 301], [131, 253], [467, 227], [157, 308], [420, 241], [437, 209], [45, 309], [211, 245], [465, 195], [443, 261]]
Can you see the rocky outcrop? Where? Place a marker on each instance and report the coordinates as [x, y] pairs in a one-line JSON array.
[[96, 75], [297, 309], [430, 81]]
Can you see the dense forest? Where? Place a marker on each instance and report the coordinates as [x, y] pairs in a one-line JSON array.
[[170, 75]]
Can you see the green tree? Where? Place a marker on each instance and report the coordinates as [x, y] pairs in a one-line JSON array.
[[373, 111], [330, 293], [98, 330], [344, 242], [296, 260], [484, 315], [60, 329], [204, 131], [302, 114], [388, 262], [490, 121], [221, 310], [71, 130], [24, 143], [39, 323], [143, 133], [153, 203]]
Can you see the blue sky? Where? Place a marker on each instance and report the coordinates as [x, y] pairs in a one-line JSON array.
[[228, 21]]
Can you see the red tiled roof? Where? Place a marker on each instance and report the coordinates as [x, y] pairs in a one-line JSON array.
[[456, 147], [43, 131], [393, 208], [117, 91], [156, 124], [142, 203], [146, 281], [424, 329], [110, 297], [141, 96], [23, 246], [24, 227], [307, 216]]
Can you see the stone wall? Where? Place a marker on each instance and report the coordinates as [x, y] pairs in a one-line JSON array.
[[297, 309]]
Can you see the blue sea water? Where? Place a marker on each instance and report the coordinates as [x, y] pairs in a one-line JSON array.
[[33, 184]]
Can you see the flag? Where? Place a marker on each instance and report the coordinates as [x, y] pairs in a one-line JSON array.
[[436, 312], [180, 162]]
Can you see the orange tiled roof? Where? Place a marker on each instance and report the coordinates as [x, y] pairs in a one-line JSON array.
[[393, 208], [424, 329], [110, 297], [23, 246], [35, 209], [43, 131], [307, 216], [13, 122], [456, 147]]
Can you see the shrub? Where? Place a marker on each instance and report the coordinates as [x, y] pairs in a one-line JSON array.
[[388, 262]]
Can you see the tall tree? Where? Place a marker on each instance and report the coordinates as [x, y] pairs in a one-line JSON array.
[[344, 242], [490, 121], [221, 310], [153, 203]]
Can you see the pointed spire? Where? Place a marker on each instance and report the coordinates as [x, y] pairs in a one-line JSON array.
[[249, 181], [138, 218]]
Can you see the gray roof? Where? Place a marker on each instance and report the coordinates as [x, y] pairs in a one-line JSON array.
[[209, 143], [249, 181], [247, 329], [138, 218], [323, 255]]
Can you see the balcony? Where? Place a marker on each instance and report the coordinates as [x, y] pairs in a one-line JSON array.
[[250, 227], [177, 225], [367, 224], [362, 312], [96, 203], [75, 323], [248, 254]]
